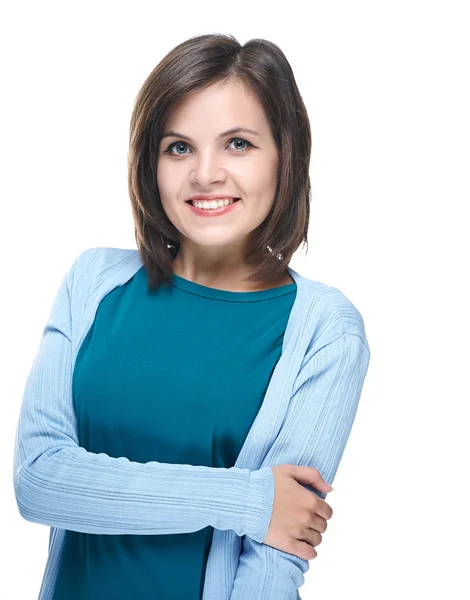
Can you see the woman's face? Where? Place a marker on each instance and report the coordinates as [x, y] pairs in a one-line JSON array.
[[196, 159]]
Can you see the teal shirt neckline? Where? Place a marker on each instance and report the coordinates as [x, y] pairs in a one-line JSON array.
[[218, 294]]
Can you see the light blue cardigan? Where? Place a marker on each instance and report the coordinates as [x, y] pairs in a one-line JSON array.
[[305, 419]]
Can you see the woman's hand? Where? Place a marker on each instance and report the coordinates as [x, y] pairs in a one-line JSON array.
[[299, 517]]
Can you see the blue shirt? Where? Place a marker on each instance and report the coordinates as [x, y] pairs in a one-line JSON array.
[[147, 384], [305, 418]]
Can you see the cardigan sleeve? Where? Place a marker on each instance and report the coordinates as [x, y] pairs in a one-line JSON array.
[[60, 484], [315, 432]]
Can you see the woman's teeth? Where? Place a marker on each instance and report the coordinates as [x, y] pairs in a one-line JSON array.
[[211, 204]]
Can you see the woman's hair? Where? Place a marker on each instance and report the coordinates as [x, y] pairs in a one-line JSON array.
[[194, 65]]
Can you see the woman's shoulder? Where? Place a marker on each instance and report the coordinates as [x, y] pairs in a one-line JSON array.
[[330, 311], [97, 262], [103, 258], [97, 270]]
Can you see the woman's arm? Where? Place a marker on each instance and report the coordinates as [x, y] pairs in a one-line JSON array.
[[60, 484], [314, 433]]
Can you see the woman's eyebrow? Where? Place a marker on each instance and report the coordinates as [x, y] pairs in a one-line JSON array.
[[222, 135]]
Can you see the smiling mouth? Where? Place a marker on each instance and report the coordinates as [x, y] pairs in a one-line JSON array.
[[192, 201]]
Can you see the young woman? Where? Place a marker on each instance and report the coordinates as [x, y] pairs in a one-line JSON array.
[[190, 399]]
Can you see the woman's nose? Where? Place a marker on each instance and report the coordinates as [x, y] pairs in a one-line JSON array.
[[208, 169]]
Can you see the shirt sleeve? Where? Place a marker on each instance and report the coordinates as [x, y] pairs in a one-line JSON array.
[[315, 432], [60, 484]]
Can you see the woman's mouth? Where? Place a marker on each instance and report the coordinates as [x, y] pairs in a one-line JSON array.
[[198, 207]]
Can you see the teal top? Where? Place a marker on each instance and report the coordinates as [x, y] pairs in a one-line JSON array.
[[305, 419], [147, 385]]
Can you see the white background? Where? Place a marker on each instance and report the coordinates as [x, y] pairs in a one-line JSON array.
[[386, 85]]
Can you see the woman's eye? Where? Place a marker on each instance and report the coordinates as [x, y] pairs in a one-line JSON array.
[[184, 144], [174, 145], [241, 140]]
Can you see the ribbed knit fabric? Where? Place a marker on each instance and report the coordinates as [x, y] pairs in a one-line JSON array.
[[305, 419]]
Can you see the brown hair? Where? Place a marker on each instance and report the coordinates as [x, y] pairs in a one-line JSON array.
[[193, 65]]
